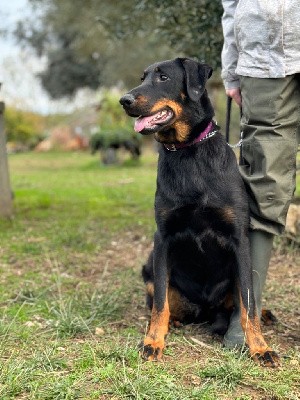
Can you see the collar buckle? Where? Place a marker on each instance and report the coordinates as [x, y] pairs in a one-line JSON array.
[[170, 146]]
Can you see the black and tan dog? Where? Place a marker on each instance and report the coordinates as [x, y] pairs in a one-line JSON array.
[[201, 249]]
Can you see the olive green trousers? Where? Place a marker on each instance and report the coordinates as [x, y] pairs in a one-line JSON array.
[[271, 132], [270, 125]]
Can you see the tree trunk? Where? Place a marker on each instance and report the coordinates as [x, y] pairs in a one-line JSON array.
[[6, 207]]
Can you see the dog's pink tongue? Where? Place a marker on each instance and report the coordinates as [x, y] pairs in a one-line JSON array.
[[141, 122]]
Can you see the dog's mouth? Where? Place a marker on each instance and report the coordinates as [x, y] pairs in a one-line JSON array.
[[153, 122]]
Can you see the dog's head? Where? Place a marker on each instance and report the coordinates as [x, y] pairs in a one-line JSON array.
[[172, 101]]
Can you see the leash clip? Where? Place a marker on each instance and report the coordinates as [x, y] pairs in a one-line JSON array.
[[238, 144]]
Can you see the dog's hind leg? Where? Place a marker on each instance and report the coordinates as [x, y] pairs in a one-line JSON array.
[[220, 323], [267, 317], [148, 277]]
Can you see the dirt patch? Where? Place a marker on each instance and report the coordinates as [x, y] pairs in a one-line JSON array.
[[282, 297]]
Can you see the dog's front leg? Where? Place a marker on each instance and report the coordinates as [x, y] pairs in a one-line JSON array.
[[250, 320], [159, 324]]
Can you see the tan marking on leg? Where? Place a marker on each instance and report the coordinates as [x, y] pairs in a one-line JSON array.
[[154, 342], [177, 305], [253, 333], [259, 350], [180, 306], [228, 302], [150, 289]]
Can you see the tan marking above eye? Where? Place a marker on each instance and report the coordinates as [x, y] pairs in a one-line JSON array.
[[183, 95]]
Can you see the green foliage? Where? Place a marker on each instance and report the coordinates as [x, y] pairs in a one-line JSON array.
[[77, 73], [106, 139], [192, 27], [109, 42], [115, 127], [23, 127], [112, 115]]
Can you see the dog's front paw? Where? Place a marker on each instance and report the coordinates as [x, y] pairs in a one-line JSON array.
[[152, 350], [267, 359]]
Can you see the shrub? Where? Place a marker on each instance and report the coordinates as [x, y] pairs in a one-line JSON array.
[[23, 127], [115, 131]]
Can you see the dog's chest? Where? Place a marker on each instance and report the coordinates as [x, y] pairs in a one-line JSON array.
[[192, 219]]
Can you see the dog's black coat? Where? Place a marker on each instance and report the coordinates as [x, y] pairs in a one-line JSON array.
[[201, 248], [196, 185]]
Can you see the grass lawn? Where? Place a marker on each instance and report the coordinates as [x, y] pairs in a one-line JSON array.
[[72, 301]]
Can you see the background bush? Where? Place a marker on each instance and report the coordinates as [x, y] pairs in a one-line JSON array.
[[23, 127]]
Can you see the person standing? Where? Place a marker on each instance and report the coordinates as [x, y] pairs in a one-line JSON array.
[[261, 72]]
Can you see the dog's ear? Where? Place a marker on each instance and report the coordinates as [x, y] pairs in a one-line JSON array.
[[196, 75]]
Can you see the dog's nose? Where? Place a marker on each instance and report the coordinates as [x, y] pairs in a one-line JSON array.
[[127, 100]]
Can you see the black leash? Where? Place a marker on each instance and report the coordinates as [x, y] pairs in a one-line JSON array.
[[227, 129], [228, 114]]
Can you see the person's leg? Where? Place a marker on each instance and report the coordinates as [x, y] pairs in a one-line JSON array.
[[271, 112], [261, 244]]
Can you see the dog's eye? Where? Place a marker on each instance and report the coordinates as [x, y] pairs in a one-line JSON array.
[[163, 77], [142, 78]]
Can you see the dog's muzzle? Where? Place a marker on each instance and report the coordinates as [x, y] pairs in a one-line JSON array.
[[127, 100]]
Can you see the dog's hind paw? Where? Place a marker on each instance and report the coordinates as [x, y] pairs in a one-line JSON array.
[[268, 318], [267, 359]]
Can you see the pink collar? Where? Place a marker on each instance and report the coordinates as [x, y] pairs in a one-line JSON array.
[[207, 133]]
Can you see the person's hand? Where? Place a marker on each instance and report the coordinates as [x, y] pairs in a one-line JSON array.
[[235, 94]]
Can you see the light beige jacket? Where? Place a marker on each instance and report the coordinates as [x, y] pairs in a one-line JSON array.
[[261, 39]]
